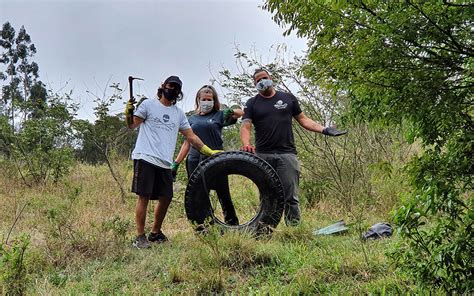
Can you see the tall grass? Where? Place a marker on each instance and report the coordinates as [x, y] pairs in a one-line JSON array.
[[80, 234]]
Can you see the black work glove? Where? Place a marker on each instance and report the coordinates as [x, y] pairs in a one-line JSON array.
[[332, 131]]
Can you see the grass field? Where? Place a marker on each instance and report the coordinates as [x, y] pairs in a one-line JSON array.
[[80, 237]]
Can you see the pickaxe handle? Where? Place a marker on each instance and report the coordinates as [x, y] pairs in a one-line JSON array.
[[130, 84], [132, 99]]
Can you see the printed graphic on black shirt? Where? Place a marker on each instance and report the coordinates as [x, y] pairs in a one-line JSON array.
[[280, 105]]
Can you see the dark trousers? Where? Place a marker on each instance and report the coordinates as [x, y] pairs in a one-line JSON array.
[[221, 186], [288, 169]]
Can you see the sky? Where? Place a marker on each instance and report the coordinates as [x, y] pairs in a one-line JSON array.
[[85, 45]]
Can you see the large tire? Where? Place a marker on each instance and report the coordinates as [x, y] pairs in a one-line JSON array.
[[198, 205]]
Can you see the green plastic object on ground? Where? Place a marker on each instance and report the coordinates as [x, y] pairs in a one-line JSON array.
[[338, 227]]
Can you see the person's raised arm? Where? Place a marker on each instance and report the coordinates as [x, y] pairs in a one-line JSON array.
[[136, 122], [131, 120], [308, 123], [237, 113], [232, 114], [312, 125]]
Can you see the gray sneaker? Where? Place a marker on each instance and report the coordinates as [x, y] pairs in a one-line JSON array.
[[141, 242]]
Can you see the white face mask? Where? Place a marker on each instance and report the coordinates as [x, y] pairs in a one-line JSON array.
[[206, 106], [264, 84]]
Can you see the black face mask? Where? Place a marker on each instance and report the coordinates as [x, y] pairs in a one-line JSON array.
[[170, 94]]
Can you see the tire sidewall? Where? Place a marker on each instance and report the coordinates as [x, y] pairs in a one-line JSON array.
[[198, 205]]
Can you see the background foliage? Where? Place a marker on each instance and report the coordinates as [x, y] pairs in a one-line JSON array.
[[397, 75], [36, 134], [408, 61]]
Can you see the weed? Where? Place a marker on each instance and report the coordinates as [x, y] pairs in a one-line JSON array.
[[13, 272], [120, 228]]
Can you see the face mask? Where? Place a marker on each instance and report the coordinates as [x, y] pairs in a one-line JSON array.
[[206, 106], [264, 85], [170, 94]]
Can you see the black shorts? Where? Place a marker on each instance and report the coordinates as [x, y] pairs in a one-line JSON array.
[[151, 181]]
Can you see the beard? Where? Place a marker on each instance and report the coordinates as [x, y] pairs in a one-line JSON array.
[[266, 92]]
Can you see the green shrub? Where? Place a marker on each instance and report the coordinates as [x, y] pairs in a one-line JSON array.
[[13, 271]]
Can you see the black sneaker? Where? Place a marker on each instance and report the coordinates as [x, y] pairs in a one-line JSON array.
[[201, 229], [159, 237], [141, 242]]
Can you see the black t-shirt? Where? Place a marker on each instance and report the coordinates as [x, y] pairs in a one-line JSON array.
[[272, 118], [208, 128]]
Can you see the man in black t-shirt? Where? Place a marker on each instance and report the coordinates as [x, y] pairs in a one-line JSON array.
[[271, 112]]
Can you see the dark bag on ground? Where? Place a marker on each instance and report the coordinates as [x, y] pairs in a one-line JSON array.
[[378, 230]]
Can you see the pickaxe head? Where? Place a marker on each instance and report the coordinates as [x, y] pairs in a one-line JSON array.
[[131, 78]]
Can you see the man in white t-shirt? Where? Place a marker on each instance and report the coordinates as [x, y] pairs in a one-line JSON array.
[[159, 120]]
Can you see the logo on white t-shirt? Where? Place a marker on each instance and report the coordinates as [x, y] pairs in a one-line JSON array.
[[280, 105], [164, 122]]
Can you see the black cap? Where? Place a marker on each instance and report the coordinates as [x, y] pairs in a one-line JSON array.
[[174, 79]]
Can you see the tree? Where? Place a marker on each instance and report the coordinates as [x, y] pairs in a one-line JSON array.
[[106, 134], [338, 171], [43, 145], [408, 61], [35, 123], [20, 71]]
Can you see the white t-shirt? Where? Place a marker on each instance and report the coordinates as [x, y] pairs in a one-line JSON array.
[[158, 133]]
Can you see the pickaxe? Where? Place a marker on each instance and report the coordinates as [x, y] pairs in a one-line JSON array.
[[132, 99], [130, 83]]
